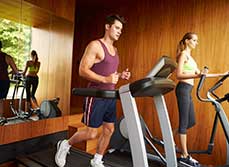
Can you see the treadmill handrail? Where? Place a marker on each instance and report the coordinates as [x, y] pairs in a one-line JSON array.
[[93, 92], [163, 68]]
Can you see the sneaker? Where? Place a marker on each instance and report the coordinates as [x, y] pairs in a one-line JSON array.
[[61, 153], [98, 164], [193, 160], [189, 161]]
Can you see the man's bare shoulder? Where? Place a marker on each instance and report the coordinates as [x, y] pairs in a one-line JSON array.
[[8, 57], [94, 47], [94, 44]]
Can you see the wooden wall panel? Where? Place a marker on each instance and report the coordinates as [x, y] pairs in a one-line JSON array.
[[153, 29], [54, 44], [61, 8], [28, 130]]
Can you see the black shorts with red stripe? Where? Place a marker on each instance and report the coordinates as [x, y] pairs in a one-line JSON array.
[[98, 110]]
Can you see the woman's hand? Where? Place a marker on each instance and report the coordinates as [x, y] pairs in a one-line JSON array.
[[204, 71]]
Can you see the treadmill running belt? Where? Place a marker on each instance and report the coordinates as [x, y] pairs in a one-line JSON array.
[[47, 158], [77, 158]]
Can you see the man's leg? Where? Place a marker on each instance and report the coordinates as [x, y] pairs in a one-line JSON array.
[[104, 139], [1, 108], [103, 142], [83, 135], [64, 146]]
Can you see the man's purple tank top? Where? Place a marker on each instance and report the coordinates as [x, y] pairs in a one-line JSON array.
[[3, 67], [106, 67]]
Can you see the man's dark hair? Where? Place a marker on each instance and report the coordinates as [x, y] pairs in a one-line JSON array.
[[111, 19], [0, 44]]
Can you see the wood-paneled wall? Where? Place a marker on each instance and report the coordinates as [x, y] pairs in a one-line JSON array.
[[61, 8], [153, 29], [53, 42], [27, 130]]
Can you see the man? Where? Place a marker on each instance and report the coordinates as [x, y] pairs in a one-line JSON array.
[[99, 65], [5, 61]]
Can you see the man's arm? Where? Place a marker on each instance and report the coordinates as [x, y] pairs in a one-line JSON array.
[[93, 54], [10, 61]]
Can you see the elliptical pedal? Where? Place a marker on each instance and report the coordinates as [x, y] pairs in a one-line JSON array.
[[3, 121]]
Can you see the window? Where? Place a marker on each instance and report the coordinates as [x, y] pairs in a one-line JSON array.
[[16, 40]]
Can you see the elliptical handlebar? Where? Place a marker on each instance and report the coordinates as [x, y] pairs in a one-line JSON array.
[[212, 89], [200, 84], [219, 83], [18, 77]]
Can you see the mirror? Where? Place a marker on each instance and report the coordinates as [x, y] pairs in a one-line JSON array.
[[50, 34]]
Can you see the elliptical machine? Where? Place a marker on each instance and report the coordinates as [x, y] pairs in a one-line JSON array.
[[120, 139], [19, 86], [220, 114], [48, 108]]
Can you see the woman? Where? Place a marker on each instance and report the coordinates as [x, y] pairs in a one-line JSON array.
[[187, 71], [32, 79]]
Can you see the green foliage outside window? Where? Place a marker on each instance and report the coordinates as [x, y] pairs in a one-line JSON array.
[[16, 40]]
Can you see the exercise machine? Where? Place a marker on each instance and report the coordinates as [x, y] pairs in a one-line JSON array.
[[19, 86], [220, 114], [120, 140], [48, 108], [155, 84]]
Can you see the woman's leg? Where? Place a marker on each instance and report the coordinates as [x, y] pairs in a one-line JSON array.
[[183, 101], [34, 89], [183, 141], [28, 94]]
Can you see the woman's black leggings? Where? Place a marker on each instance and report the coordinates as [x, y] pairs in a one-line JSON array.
[[31, 82], [185, 106]]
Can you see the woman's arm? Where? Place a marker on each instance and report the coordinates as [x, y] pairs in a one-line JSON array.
[[39, 64], [26, 68], [217, 75]]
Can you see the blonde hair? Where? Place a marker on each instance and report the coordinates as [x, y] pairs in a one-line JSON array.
[[182, 45]]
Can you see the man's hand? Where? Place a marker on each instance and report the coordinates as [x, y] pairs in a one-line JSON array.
[[125, 74], [113, 78]]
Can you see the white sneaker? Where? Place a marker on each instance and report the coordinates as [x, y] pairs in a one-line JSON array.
[[61, 153], [193, 160], [98, 164]]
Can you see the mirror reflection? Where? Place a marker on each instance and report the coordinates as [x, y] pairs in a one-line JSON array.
[[30, 42]]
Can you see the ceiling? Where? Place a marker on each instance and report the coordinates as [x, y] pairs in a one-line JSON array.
[[102, 4], [23, 12]]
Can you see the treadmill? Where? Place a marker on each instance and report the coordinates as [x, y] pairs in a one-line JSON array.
[[155, 84]]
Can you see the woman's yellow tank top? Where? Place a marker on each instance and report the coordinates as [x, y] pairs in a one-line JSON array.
[[33, 68], [189, 66]]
